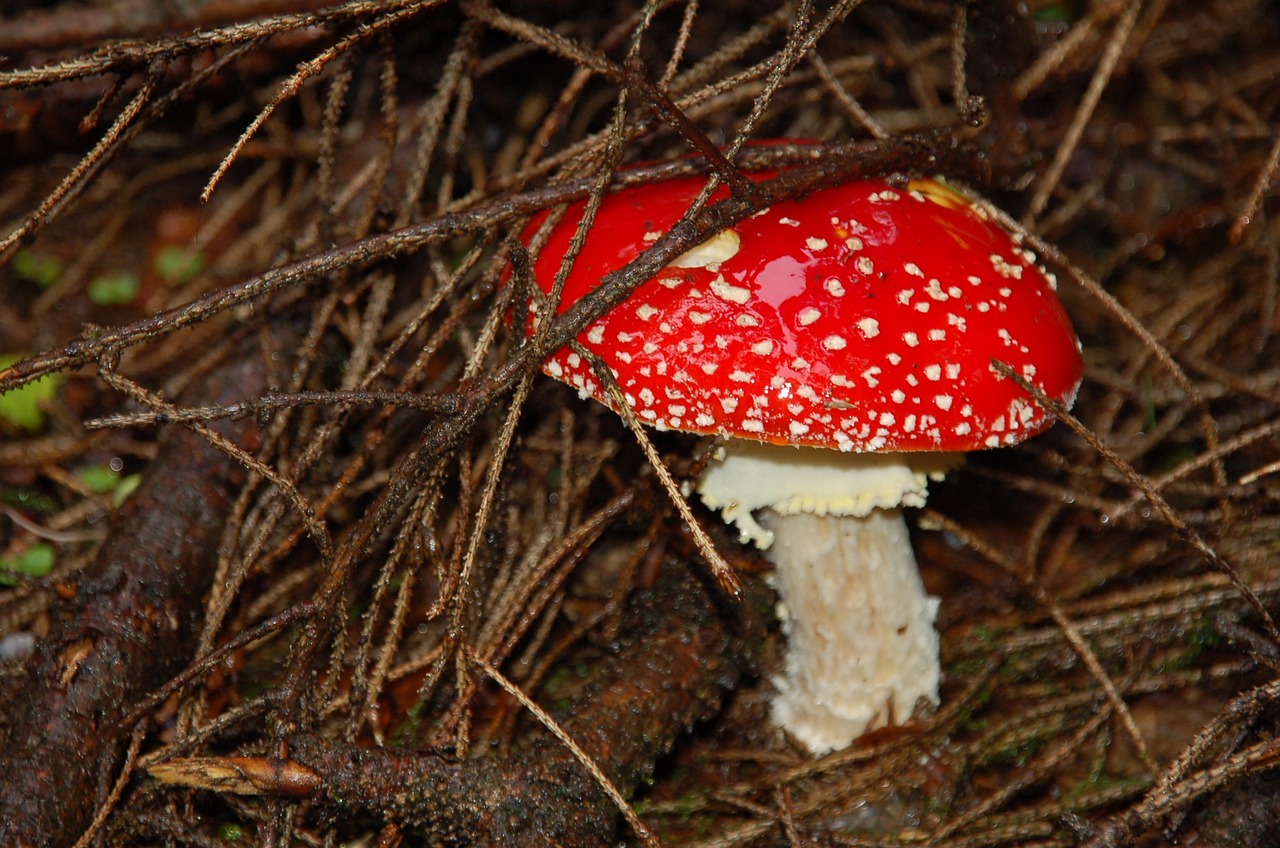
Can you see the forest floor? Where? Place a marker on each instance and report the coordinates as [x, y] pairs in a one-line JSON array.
[[298, 546]]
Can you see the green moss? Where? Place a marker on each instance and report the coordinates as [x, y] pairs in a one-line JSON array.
[[114, 289], [968, 718], [107, 481], [1057, 12], [177, 265], [230, 832], [967, 667], [23, 407], [38, 268], [35, 562], [1019, 746], [30, 500], [99, 478], [1203, 636], [1077, 796], [683, 809]]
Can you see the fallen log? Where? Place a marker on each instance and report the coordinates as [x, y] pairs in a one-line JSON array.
[[124, 625]]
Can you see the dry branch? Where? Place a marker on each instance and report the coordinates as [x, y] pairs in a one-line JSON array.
[[676, 654], [126, 624]]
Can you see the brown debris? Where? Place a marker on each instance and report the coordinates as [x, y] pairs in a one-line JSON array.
[[425, 539], [670, 669]]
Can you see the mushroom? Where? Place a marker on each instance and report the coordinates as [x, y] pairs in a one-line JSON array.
[[843, 345]]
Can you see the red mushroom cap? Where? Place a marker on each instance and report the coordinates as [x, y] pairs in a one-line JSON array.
[[863, 317]]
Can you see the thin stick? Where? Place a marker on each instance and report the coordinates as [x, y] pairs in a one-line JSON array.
[[318, 532], [90, 164], [1260, 186], [845, 98], [1051, 253], [306, 71], [1101, 76], [1041, 596], [723, 572], [1143, 484], [117, 789]]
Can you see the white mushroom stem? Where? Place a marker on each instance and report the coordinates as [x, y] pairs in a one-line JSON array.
[[862, 649], [861, 646]]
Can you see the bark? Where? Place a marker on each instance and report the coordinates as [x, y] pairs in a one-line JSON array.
[[125, 626], [678, 656]]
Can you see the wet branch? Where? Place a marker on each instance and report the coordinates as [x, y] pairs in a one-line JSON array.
[[124, 626], [677, 655]]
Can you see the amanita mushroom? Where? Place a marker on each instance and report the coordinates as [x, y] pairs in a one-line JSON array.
[[843, 346]]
